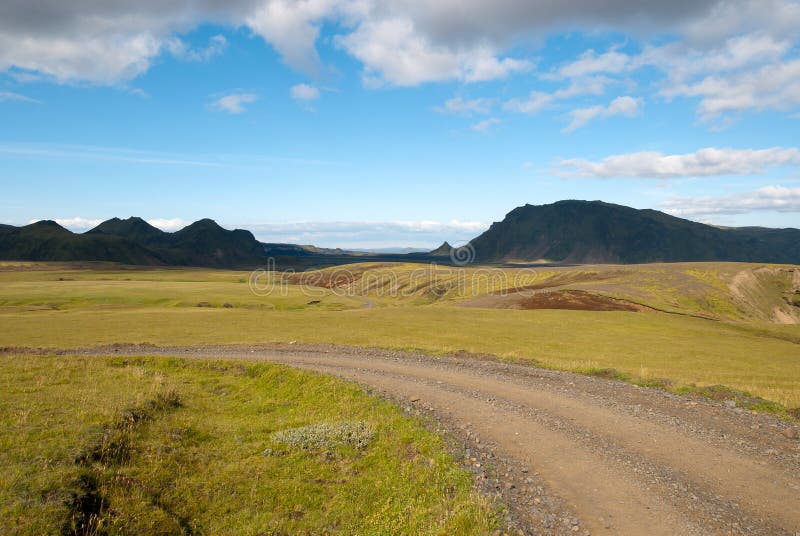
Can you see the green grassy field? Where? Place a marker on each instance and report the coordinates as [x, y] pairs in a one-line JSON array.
[[62, 308], [176, 446]]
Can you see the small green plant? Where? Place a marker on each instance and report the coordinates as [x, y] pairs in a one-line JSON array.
[[741, 399], [357, 434], [609, 373]]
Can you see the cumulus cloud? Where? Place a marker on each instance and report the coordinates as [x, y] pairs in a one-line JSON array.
[[731, 55], [233, 103], [292, 27], [703, 163], [485, 125], [304, 92], [742, 56], [772, 87], [216, 46], [8, 96], [79, 224], [105, 43], [394, 52], [767, 199], [76, 224], [626, 106], [590, 63], [460, 106], [169, 224], [109, 42], [539, 100]]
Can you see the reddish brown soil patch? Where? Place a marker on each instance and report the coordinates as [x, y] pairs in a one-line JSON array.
[[575, 300]]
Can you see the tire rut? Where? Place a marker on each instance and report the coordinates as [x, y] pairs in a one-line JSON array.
[[696, 468]]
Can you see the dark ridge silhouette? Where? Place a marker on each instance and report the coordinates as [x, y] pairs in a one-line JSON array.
[[133, 241], [442, 251], [563, 232], [598, 232]]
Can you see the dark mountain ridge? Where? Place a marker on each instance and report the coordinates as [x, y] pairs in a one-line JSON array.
[[132, 241], [562, 232], [133, 228], [598, 232]]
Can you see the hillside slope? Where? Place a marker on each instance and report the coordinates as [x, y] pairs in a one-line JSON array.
[[598, 232]]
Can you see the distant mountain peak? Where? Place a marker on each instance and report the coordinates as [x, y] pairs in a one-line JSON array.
[[132, 228], [443, 250], [47, 226], [205, 222], [46, 223]]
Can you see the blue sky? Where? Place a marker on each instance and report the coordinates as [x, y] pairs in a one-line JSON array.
[[369, 124]]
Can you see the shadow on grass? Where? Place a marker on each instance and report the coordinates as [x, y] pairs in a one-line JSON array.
[[88, 507]]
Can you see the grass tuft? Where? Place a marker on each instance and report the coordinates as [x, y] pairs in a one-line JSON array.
[[357, 434], [742, 399]]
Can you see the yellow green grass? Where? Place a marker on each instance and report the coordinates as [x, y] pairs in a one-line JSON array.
[[159, 307], [210, 462]]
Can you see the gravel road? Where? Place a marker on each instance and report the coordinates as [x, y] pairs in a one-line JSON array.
[[575, 454]]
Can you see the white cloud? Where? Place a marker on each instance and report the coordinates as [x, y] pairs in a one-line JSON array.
[[772, 87], [484, 65], [732, 55], [169, 224], [626, 106], [535, 102], [8, 96], [233, 103], [79, 224], [459, 106], [393, 52], [590, 63], [745, 66], [703, 163], [485, 125], [76, 224], [779, 18], [356, 234], [100, 59], [304, 92], [354, 226], [767, 199], [539, 100], [292, 27], [178, 48]]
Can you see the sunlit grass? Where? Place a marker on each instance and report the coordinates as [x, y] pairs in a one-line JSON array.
[[210, 463], [159, 307]]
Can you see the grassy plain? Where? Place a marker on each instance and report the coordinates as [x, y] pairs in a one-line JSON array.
[[176, 446], [731, 345]]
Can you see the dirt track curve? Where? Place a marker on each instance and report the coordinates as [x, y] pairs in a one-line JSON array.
[[574, 454]]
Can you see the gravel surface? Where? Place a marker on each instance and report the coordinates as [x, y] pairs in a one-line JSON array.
[[569, 453]]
